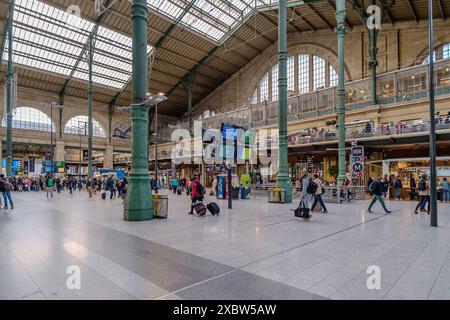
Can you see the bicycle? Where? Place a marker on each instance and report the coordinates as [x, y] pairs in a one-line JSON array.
[[348, 194]]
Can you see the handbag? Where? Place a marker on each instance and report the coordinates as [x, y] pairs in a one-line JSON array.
[[302, 211]]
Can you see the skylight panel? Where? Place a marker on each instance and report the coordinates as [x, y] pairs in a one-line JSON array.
[[51, 39]]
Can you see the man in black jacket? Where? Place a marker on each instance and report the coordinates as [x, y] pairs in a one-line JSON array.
[[376, 189]]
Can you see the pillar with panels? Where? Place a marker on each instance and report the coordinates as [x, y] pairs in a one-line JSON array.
[[284, 181], [340, 19], [139, 203]]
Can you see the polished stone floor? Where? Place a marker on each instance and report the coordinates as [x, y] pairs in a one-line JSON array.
[[256, 250]]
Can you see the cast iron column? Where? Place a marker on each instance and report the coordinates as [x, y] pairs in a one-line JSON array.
[[139, 202], [90, 98], [10, 93], [340, 19], [283, 173], [373, 63], [433, 173], [190, 84]]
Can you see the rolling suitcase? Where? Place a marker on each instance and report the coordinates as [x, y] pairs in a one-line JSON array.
[[103, 195], [178, 191], [213, 208], [200, 208]]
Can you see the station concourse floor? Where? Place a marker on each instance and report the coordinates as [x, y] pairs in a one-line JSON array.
[[256, 250]]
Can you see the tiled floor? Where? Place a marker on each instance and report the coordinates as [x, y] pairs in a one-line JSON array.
[[256, 250]]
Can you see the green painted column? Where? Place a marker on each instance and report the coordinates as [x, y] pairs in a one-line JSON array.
[[110, 118], [340, 18], [189, 85], [283, 173], [373, 62], [9, 93], [90, 104], [139, 203]]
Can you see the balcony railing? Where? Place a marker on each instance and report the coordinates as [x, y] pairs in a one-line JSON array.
[[398, 128], [408, 84]]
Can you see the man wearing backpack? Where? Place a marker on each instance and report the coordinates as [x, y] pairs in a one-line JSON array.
[[377, 189], [424, 195], [307, 191], [197, 193], [5, 189]]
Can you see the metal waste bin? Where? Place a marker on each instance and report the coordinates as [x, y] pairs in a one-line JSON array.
[[277, 195], [160, 206]]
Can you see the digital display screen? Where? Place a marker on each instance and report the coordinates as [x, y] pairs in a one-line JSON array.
[[229, 132]]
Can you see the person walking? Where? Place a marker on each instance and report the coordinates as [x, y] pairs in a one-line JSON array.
[[49, 183], [174, 185], [412, 186], [377, 188], [306, 195], [5, 189], [110, 186], [89, 186], [20, 184], [318, 195], [424, 195], [196, 194], [445, 190], [71, 185], [58, 185], [398, 185]]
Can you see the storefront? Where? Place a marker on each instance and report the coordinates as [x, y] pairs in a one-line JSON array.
[[410, 168]]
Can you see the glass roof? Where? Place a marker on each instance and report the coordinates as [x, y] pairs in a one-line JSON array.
[[50, 39], [212, 18]]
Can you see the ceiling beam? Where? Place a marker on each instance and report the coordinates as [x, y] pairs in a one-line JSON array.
[[310, 25], [413, 10], [386, 11], [317, 13], [441, 10]]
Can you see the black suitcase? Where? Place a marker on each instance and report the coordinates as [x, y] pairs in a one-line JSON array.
[[178, 191], [213, 208], [104, 195]]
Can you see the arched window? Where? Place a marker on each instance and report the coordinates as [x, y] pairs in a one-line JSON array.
[[440, 53], [314, 73], [30, 119], [123, 130], [77, 125]]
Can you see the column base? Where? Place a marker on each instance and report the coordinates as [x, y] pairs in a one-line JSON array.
[[139, 202], [285, 184]]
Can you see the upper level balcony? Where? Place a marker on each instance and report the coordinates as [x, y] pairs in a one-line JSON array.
[[405, 85]]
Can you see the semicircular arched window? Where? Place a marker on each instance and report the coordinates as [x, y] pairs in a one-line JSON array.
[[440, 53], [79, 125], [30, 119], [313, 73]]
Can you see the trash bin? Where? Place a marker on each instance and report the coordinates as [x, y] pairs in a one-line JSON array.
[[160, 206], [235, 193], [277, 195], [245, 192]]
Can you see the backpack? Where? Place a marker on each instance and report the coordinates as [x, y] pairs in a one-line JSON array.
[[422, 185], [50, 182], [201, 189], [312, 187], [371, 187]]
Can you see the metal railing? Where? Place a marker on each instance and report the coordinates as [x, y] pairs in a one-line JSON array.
[[407, 84], [401, 127]]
